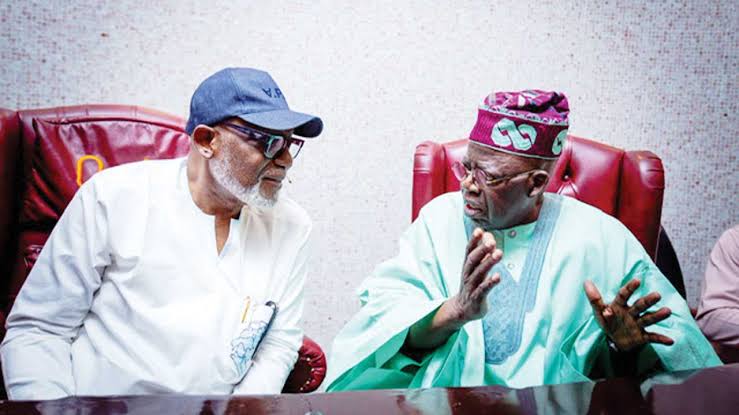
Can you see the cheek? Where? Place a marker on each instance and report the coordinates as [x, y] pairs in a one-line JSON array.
[[491, 200], [247, 166], [491, 205], [498, 204]]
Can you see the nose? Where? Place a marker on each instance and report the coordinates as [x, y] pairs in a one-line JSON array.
[[468, 184], [285, 159]]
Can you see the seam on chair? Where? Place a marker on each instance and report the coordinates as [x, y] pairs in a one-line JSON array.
[[619, 186]]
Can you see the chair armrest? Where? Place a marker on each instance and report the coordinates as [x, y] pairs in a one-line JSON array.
[[309, 370]]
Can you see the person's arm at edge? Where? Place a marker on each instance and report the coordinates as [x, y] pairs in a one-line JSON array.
[[57, 295]]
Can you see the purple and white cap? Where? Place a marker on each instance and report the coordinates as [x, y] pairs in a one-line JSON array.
[[530, 123]]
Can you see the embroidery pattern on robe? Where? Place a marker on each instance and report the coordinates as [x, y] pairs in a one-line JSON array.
[[244, 346], [510, 301], [246, 343]]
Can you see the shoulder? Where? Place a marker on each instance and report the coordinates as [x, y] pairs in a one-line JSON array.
[[581, 215], [132, 178], [586, 228], [730, 238], [574, 206], [728, 243], [442, 205]]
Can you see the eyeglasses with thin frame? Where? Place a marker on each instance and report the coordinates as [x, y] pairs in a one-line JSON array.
[[272, 144], [481, 177]]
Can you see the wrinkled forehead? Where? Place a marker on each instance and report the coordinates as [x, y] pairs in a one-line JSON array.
[[489, 158]]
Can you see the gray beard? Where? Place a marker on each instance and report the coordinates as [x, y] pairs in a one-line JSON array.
[[248, 195]]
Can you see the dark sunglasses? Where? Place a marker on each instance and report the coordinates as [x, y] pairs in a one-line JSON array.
[[272, 144]]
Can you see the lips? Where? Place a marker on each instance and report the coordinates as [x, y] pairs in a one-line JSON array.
[[471, 208], [274, 179], [471, 205]]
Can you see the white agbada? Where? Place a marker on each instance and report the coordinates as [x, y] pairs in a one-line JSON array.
[[130, 296]]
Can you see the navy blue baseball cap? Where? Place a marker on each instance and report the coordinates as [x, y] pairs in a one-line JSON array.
[[251, 95]]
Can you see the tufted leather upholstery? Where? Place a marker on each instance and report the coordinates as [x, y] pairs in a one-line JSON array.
[[310, 370], [46, 154], [628, 185]]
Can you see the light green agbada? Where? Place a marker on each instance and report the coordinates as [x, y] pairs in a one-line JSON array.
[[540, 327]]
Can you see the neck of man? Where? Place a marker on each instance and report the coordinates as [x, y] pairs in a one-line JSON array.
[[208, 195]]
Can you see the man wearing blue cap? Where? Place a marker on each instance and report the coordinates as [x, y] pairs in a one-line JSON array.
[[164, 276]]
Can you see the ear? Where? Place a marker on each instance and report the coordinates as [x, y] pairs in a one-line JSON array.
[[538, 182], [204, 138]]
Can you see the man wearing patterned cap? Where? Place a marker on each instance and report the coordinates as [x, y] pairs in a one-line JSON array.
[[499, 283]]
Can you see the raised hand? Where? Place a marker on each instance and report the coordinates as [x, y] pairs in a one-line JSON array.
[[625, 325], [481, 255], [470, 303]]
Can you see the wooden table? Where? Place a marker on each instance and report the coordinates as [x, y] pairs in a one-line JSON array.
[[710, 391]]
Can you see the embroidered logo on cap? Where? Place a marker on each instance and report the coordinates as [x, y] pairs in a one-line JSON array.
[[272, 93], [559, 142], [506, 133]]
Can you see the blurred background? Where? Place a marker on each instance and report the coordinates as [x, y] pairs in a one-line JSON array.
[[386, 75]]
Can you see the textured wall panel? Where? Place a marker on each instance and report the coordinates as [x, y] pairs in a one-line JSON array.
[[386, 75]]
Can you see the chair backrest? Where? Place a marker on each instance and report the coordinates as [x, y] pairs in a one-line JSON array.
[[9, 142], [628, 185], [57, 149]]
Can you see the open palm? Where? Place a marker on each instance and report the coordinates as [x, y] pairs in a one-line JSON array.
[[625, 325]]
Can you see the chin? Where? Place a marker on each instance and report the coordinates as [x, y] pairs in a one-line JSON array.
[[254, 197], [480, 222], [272, 194], [261, 202]]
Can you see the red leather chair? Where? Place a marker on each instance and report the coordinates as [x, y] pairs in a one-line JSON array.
[[45, 155], [628, 185]]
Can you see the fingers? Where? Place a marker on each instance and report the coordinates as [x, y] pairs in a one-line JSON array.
[[482, 290], [641, 305], [622, 298], [608, 315], [596, 300], [476, 235], [485, 245], [651, 318], [660, 338], [481, 271]]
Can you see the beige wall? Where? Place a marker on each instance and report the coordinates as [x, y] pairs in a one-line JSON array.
[[386, 75]]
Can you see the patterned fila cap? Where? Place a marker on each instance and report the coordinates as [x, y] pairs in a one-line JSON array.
[[531, 123]]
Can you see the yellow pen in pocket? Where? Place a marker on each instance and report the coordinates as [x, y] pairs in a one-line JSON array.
[[246, 309]]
